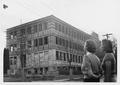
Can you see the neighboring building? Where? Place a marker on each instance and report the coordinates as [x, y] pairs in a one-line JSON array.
[[45, 46], [95, 37], [99, 51]]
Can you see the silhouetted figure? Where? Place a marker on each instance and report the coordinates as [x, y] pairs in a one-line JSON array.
[[91, 63], [109, 63]]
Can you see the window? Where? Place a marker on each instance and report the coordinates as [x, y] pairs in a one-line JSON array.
[[15, 34], [75, 34], [35, 28], [46, 69], [57, 55], [46, 54], [40, 41], [81, 58], [69, 32], [76, 58], [66, 43], [64, 56], [45, 25], [56, 26], [29, 43], [35, 70], [35, 42], [73, 58], [46, 40], [40, 27], [81, 47], [80, 36], [60, 55], [63, 29], [36, 59], [11, 35], [70, 44], [11, 60], [15, 60], [11, 48], [72, 32], [29, 72], [24, 60], [57, 40], [60, 28], [78, 47], [22, 46], [41, 70], [66, 30], [22, 31], [15, 47], [29, 30], [60, 41], [67, 56], [75, 46], [63, 42]]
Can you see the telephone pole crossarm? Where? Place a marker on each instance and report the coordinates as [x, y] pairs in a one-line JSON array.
[[107, 35]]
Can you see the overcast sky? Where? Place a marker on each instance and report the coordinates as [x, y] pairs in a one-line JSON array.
[[101, 16]]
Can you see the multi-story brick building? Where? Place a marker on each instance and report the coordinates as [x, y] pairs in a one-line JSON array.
[[45, 46]]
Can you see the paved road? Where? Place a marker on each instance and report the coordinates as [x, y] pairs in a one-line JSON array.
[[59, 79], [10, 79]]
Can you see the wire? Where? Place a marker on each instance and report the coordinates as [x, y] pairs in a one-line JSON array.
[[26, 7], [33, 10], [45, 5]]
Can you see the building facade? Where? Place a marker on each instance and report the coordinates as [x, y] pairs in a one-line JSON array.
[[46, 46]]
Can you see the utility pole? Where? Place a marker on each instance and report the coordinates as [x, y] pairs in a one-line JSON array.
[[107, 35]]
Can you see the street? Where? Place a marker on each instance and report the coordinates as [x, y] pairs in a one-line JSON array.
[[57, 79]]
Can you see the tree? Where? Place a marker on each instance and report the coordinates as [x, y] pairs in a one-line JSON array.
[[6, 60]]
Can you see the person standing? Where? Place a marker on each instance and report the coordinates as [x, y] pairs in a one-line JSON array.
[[91, 63], [109, 63]]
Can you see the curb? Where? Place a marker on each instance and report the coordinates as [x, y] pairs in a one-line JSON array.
[[67, 79]]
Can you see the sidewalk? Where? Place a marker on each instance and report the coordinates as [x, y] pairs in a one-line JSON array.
[[59, 78], [67, 78]]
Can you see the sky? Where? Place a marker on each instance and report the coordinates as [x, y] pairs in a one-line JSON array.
[[100, 16]]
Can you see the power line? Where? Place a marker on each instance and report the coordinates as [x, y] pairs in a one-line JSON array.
[[33, 10], [27, 7], [45, 5]]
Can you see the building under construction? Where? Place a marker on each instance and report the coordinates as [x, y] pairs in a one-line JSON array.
[[47, 46]]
